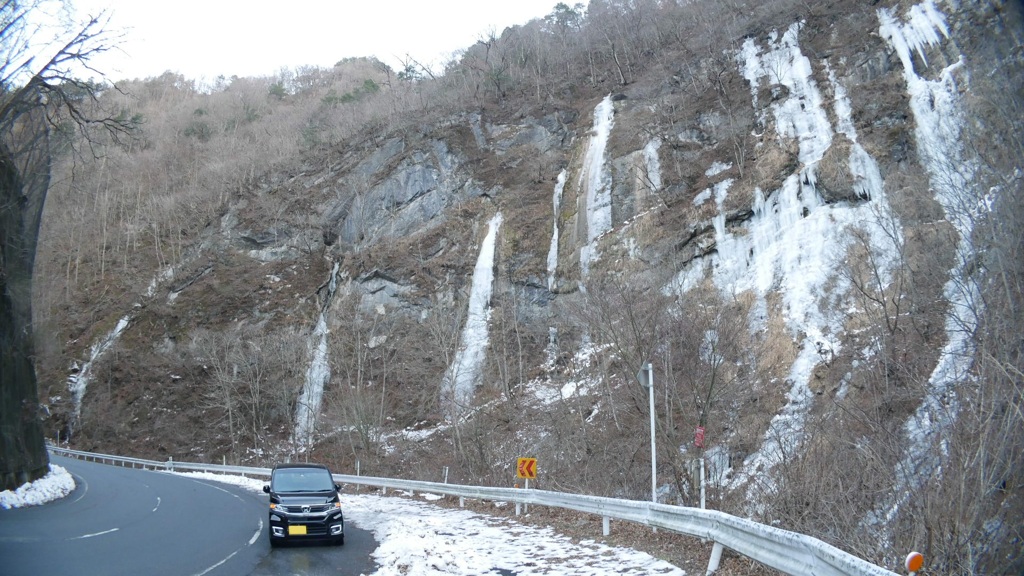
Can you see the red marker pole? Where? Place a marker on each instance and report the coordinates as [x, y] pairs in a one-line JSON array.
[[698, 441]]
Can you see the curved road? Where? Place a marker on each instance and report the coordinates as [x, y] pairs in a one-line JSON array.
[[125, 521]]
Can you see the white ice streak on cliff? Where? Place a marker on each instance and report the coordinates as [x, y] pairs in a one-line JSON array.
[[801, 114], [938, 124], [717, 168], [464, 373], [795, 243], [164, 275], [307, 409], [596, 182], [77, 383], [556, 202]]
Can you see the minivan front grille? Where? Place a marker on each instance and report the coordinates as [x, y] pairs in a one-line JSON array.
[[307, 509]]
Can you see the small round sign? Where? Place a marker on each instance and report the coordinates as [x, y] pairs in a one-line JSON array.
[[915, 561]]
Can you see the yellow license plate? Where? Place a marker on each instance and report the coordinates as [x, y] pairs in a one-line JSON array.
[[296, 530]]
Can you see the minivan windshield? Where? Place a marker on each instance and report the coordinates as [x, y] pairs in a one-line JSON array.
[[302, 480]]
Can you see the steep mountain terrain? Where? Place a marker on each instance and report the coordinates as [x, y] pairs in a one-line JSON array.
[[805, 216]]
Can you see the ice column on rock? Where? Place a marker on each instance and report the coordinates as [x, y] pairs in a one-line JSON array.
[[939, 121], [795, 243], [595, 183], [553, 250], [78, 382], [464, 373], [307, 409]]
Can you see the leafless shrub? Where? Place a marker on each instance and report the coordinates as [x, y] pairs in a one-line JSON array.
[[250, 381]]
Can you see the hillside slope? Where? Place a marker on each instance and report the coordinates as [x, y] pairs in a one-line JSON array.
[[806, 218]]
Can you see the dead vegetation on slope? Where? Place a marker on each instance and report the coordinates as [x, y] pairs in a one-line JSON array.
[[249, 167]]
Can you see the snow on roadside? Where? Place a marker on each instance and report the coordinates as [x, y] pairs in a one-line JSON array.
[[418, 538], [57, 484]]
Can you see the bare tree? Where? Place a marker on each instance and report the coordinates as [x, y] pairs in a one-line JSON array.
[[36, 100]]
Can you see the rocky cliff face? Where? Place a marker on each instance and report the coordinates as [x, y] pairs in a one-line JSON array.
[[787, 228]]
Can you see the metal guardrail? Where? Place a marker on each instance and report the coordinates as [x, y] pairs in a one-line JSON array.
[[788, 552]]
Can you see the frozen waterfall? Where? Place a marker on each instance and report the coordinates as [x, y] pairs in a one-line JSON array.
[[79, 381], [556, 201], [307, 409], [795, 243], [936, 106], [464, 374], [595, 183]]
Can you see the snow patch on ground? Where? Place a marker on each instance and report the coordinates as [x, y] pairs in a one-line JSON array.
[[57, 484], [420, 539]]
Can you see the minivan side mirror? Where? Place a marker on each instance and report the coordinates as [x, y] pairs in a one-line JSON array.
[[337, 487], [266, 488]]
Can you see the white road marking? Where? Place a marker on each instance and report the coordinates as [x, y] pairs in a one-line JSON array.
[[157, 504], [96, 534], [232, 555], [85, 487], [256, 534]]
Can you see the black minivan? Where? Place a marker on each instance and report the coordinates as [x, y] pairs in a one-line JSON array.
[[304, 505]]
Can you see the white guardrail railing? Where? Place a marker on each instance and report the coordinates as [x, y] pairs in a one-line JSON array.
[[787, 552]]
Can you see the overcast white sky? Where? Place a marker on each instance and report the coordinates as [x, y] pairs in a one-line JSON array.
[[207, 38]]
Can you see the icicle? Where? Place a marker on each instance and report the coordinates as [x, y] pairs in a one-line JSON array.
[[553, 250]]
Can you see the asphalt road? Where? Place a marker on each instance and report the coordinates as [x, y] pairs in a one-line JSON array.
[[121, 521]]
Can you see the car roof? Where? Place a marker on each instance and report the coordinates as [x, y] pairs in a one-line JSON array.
[[299, 465]]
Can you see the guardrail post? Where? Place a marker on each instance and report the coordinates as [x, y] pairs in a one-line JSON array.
[[519, 507], [716, 558], [606, 525], [462, 501]]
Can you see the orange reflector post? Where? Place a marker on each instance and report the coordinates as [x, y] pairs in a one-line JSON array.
[[915, 561]]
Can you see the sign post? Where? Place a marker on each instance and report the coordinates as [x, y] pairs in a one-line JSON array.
[[526, 468], [646, 378]]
